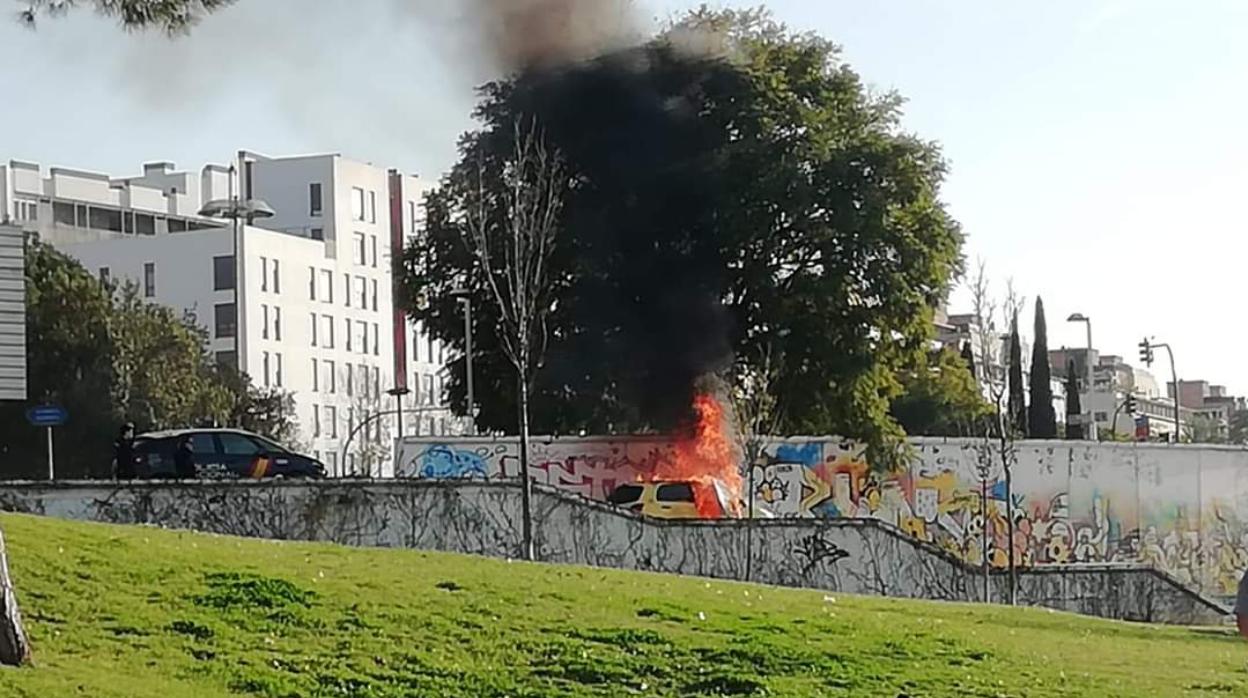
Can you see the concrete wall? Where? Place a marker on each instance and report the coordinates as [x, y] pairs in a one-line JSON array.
[[482, 518], [1181, 509]]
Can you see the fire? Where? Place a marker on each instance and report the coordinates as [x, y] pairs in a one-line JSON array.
[[704, 454]]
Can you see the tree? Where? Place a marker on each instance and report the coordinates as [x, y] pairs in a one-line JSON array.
[[14, 647], [1074, 406], [1018, 398], [968, 355], [1041, 419], [1203, 429], [941, 398], [713, 206], [269, 412], [172, 16], [511, 223], [1238, 427]]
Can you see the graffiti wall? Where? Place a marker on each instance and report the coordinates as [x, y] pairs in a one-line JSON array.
[[1181, 509], [483, 518]]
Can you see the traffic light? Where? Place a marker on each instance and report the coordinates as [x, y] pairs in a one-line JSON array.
[[1146, 352], [1130, 404]]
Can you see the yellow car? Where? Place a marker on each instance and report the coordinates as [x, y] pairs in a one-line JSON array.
[[676, 499]]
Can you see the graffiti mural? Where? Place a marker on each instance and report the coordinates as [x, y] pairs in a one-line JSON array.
[[1181, 509]]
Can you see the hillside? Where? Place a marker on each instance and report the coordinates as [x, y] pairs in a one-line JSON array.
[[130, 611]]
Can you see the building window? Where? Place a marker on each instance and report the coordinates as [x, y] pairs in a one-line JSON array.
[[376, 340], [349, 375], [362, 284], [346, 288], [277, 371], [363, 333], [314, 321], [331, 421], [316, 376], [364, 381], [318, 233], [416, 388], [347, 334], [264, 331], [376, 382], [374, 294], [144, 225], [1101, 416], [429, 395], [311, 283], [316, 420], [357, 204], [277, 324], [327, 277], [277, 277], [372, 248], [264, 273], [223, 273], [331, 378], [225, 321], [149, 280], [328, 334], [411, 216], [372, 206], [314, 199], [430, 353], [266, 369], [360, 259], [105, 275], [331, 461], [227, 359]]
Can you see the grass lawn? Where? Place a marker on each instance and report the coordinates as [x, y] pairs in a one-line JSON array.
[[134, 611]]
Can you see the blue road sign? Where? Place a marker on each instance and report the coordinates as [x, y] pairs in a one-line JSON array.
[[47, 416]]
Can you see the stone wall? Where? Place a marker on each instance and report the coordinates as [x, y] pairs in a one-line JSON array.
[[861, 556]]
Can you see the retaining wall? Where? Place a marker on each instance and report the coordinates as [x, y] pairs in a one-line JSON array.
[[860, 556]]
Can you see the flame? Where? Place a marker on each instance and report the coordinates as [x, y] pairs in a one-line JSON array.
[[705, 453]]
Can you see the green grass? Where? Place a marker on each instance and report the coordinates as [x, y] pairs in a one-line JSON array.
[[132, 611]]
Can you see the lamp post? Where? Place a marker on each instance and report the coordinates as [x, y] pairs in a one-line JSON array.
[[236, 210], [398, 394], [1090, 377]]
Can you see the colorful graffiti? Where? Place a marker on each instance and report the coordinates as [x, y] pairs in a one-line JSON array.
[[1181, 509]]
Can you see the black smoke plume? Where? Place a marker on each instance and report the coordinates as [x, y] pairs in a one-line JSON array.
[[644, 231]]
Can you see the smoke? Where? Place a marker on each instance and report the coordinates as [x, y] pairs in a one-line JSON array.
[[644, 223], [530, 34]]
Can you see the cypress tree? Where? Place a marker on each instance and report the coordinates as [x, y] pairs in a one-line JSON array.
[[1018, 399], [1041, 419]]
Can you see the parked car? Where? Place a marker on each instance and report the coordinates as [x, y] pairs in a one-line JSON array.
[[220, 454]]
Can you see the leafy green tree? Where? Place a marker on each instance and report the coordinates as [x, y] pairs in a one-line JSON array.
[[1205, 430], [941, 398], [1041, 419], [1238, 427], [1017, 405], [789, 205]]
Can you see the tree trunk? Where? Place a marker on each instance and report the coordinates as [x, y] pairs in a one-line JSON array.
[[14, 647], [526, 482], [1009, 528]]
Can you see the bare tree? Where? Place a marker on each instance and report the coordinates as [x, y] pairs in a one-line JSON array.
[[998, 449], [14, 647], [512, 235], [758, 412]]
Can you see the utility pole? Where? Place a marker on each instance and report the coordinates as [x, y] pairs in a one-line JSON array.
[[1146, 355]]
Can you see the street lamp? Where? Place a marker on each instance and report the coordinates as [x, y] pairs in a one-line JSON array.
[[398, 394], [1087, 360], [236, 210], [462, 296]]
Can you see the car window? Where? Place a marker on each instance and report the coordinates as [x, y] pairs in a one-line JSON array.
[[625, 494], [203, 444], [675, 492], [238, 445], [270, 446]]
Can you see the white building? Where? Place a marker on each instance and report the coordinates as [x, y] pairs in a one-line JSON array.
[[316, 313]]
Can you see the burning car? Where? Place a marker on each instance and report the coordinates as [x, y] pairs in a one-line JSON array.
[[677, 499]]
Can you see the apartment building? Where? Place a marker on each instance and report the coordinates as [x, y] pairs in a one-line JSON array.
[[300, 296]]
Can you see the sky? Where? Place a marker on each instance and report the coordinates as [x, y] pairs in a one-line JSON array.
[[1095, 147]]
